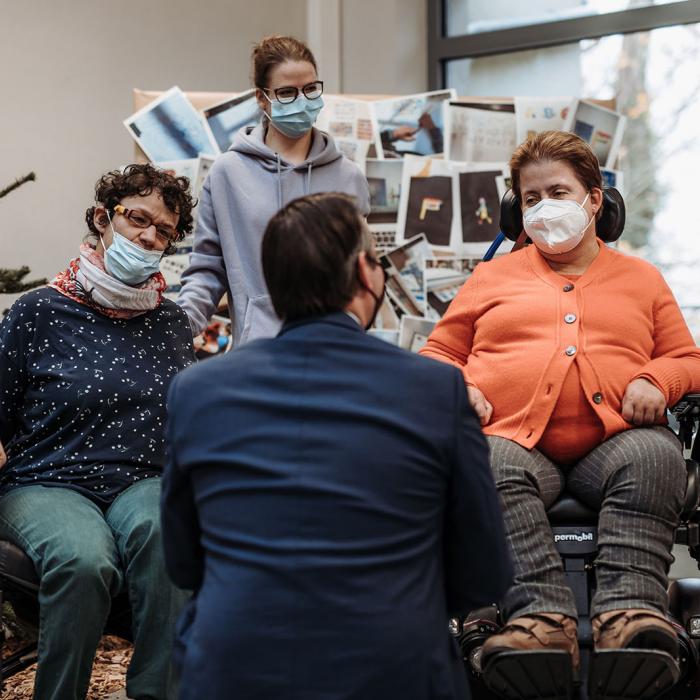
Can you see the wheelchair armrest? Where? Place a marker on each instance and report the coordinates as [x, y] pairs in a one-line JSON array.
[[687, 413]]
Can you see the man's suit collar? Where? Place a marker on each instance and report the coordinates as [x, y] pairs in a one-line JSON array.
[[336, 318]]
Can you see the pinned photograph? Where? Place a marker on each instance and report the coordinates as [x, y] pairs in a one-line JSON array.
[[443, 278], [401, 299], [414, 332], [354, 150], [426, 206], [203, 167], [181, 168], [503, 184], [536, 114], [480, 132], [412, 124], [384, 179], [602, 129], [215, 340], [408, 262], [388, 317], [391, 337], [480, 205], [172, 267], [612, 178], [351, 124], [226, 118], [170, 128]]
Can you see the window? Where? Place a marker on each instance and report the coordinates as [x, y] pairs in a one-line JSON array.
[[652, 76], [475, 16]]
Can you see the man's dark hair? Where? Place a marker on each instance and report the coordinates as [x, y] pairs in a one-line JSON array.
[[142, 179], [309, 255]]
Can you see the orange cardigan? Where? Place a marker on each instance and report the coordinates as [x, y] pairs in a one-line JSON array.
[[516, 326]]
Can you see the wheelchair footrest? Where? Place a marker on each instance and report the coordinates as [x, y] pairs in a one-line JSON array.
[[631, 673], [531, 675]]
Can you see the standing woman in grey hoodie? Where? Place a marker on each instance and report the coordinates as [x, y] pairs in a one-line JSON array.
[[267, 166]]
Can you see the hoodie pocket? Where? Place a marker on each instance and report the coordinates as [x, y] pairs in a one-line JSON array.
[[260, 320]]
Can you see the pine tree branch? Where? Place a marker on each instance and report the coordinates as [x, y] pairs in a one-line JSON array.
[[17, 183]]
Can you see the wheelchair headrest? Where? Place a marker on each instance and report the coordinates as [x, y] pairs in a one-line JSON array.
[[608, 228]]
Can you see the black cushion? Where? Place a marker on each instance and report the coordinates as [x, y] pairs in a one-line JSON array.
[[17, 567], [568, 511]]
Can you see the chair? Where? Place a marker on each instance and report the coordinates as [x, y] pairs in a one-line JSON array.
[[19, 584]]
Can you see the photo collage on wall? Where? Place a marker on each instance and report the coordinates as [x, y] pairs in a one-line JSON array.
[[436, 166]]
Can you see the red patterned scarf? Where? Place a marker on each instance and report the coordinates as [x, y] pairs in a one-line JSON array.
[[86, 281]]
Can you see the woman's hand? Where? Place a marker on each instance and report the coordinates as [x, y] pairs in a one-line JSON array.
[[643, 403], [479, 403], [3, 457]]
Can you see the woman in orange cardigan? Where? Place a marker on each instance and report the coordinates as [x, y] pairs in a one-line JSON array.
[[571, 352]]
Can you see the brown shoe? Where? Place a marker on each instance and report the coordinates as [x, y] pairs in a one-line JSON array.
[[634, 629], [535, 632]]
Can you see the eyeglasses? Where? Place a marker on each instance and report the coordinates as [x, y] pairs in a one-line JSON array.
[[142, 221], [289, 93]]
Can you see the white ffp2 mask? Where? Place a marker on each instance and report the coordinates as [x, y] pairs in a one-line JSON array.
[[556, 225]]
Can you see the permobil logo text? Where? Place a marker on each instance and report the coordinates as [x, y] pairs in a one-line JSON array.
[[575, 537]]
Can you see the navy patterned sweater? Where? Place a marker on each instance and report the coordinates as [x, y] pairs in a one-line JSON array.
[[82, 395]]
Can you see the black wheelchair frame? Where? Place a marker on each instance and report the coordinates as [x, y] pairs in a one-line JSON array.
[[574, 527]]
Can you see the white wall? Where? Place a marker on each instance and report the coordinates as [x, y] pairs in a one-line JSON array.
[[385, 46], [75, 64]]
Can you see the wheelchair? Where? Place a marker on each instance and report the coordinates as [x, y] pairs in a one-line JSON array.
[[632, 674], [641, 674]]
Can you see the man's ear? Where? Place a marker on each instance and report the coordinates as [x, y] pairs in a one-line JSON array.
[[364, 269]]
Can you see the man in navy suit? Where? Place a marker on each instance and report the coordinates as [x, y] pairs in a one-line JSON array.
[[328, 496]]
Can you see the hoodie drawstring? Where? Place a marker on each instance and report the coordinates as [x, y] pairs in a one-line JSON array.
[[279, 182]]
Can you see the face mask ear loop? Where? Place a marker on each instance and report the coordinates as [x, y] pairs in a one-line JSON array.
[[109, 218], [592, 218]]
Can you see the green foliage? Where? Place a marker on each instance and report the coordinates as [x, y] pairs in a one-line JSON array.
[[11, 281]]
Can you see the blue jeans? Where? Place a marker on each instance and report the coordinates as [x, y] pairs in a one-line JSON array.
[[84, 558]]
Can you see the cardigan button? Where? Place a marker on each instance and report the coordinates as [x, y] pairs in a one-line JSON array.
[[571, 350], [568, 287], [597, 397], [570, 318]]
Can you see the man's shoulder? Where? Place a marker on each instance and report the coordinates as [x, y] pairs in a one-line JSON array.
[[226, 367]]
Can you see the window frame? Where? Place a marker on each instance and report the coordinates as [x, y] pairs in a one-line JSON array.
[[443, 48]]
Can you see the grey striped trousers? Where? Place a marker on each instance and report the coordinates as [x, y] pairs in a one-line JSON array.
[[636, 479]]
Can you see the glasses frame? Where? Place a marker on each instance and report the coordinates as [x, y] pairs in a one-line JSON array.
[[296, 92], [167, 236]]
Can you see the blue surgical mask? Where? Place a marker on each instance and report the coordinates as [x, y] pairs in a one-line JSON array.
[[128, 262], [295, 118]]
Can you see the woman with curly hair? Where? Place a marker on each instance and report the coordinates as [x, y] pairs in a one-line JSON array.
[[85, 364]]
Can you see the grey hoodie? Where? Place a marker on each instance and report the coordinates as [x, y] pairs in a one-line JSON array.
[[245, 187]]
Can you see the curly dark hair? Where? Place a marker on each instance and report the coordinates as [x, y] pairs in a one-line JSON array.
[[142, 179]]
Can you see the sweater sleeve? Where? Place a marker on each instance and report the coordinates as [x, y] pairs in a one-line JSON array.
[[451, 339], [478, 568], [675, 365], [15, 336], [204, 281]]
